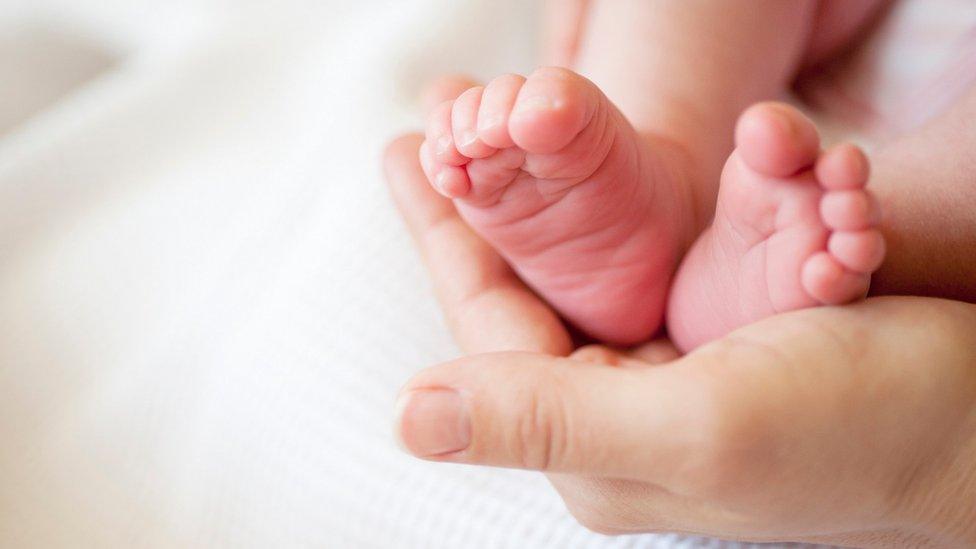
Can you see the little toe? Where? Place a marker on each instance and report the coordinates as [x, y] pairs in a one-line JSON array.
[[858, 251], [496, 107], [849, 210], [491, 175], [427, 161], [776, 139], [450, 181], [827, 281], [552, 108], [842, 167], [440, 136], [464, 125]]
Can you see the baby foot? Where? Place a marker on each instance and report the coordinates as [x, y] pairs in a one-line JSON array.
[[550, 173], [793, 228]]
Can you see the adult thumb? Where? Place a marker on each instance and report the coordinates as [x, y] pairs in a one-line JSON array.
[[531, 411]]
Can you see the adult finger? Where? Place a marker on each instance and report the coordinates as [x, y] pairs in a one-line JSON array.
[[714, 423], [614, 507], [487, 307], [553, 414]]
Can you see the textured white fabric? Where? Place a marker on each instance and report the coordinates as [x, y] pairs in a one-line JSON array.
[[207, 302]]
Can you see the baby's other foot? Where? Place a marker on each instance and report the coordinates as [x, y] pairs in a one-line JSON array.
[[793, 228], [550, 173]]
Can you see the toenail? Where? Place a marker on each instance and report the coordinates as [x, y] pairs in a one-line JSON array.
[[467, 138], [440, 182], [490, 123], [444, 144], [784, 121], [537, 103]]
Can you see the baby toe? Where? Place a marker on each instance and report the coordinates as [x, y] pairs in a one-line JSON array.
[[776, 139], [464, 125], [450, 181], [489, 176], [849, 210], [842, 167], [827, 281], [440, 136], [858, 251], [553, 106], [496, 106]]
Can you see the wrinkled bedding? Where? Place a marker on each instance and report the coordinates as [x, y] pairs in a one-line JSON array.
[[207, 301]]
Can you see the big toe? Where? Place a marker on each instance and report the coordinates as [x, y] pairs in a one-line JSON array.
[[776, 139], [553, 106]]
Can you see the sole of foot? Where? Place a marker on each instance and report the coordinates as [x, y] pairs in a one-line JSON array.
[[794, 227], [550, 173]]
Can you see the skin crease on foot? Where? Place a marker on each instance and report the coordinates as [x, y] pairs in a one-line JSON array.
[[550, 173], [705, 434], [793, 228]]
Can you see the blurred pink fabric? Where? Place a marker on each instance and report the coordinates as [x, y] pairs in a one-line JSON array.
[[919, 58]]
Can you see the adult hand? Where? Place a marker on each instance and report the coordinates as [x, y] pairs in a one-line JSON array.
[[853, 425]]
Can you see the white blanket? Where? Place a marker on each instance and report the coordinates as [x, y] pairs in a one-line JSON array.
[[207, 301]]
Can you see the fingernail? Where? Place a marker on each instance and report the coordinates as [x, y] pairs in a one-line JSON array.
[[432, 422]]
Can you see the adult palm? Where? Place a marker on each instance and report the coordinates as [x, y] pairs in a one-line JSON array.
[[853, 425]]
